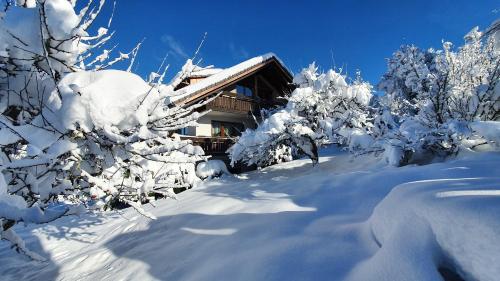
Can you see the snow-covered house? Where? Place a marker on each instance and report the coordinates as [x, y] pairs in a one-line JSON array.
[[244, 89]]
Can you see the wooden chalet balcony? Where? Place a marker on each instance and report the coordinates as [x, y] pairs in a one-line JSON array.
[[232, 104], [229, 102], [211, 145]]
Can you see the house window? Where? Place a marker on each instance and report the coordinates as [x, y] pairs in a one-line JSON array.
[[244, 91], [226, 129], [183, 131]]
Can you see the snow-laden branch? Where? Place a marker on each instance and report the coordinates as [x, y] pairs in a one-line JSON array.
[[73, 137]]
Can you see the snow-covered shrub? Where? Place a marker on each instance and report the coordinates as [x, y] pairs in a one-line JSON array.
[[73, 133], [211, 169], [433, 97], [324, 108], [276, 139]]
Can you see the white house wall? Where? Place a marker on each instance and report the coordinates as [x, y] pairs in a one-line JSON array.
[[204, 127]]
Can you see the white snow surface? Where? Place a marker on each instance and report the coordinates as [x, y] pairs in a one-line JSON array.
[[346, 218]]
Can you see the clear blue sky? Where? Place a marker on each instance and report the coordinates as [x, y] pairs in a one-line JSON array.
[[357, 34]]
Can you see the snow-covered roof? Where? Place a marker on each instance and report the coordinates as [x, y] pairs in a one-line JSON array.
[[224, 75], [204, 71]]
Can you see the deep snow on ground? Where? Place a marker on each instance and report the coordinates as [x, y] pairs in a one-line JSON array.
[[290, 221]]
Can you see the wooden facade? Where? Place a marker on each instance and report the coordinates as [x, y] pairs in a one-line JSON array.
[[231, 102]]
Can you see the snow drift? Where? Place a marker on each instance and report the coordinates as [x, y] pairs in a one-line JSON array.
[[426, 225], [289, 222]]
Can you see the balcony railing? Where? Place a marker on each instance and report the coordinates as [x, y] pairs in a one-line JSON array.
[[229, 102], [211, 145]]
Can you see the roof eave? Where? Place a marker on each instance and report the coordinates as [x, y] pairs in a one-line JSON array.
[[219, 86]]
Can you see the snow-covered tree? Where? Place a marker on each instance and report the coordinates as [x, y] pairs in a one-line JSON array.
[[73, 134], [324, 108], [473, 78], [409, 74], [435, 98]]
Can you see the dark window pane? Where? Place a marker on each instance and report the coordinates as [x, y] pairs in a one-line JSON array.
[[244, 91]]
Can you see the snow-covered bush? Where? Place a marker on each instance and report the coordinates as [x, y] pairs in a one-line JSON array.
[[73, 134], [433, 97], [211, 169], [324, 108], [276, 140]]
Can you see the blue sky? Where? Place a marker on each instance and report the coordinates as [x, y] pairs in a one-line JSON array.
[[349, 34]]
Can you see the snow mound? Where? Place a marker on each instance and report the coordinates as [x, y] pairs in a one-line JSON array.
[[201, 72], [103, 99], [427, 225], [211, 169], [488, 129]]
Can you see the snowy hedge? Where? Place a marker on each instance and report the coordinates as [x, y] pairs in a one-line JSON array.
[[73, 134]]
